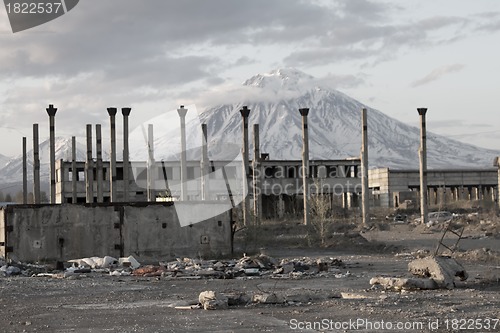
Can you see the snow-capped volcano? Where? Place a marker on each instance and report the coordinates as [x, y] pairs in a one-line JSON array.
[[280, 79], [334, 128], [334, 131]]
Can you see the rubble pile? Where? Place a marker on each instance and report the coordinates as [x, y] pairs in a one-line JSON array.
[[257, 266], [247, 267], [21, 269]]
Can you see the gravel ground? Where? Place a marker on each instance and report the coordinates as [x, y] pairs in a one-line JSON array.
[[97, 302]]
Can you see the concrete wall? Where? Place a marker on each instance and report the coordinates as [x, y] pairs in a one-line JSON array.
[[147, 231]]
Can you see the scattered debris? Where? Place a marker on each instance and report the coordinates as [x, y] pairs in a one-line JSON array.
[[149, 271], [247, 267], [94, 262], [129, 262], [10, 270]]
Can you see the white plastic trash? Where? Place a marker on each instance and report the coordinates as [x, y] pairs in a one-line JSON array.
[[129, 261]]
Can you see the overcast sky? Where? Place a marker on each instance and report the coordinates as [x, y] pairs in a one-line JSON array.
[[154, 55]]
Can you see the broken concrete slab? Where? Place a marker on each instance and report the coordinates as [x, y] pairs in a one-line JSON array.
[[392, 283], [443, 270], [210, 300]]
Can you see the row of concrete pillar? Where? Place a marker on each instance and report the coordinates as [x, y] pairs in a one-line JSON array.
[[51, 111], [256, 164], [441, 195]]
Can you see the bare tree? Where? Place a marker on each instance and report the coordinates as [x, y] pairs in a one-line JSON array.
[[320, 207]]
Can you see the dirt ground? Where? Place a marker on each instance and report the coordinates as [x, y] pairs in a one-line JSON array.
[[345, 302]]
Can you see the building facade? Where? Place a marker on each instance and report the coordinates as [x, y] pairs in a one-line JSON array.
[[392, 188]]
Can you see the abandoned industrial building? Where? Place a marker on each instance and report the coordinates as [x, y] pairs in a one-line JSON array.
[[153, 208], [280, 183], [392, 188]]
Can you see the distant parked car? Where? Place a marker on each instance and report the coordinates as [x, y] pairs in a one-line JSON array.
[[436, 217], [439, 217], [400, 218]]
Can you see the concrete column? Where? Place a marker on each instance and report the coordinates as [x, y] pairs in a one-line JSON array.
[[51, 111], [62, 180], [25, 173], [89, 168], [74, 197], [422, 153], [257, 192], [497, 190], [305, 163], [151, 166], [36, 166], [182, 115], [99, 171], [365, 204], [245, 112], [205, 180], [112, 163], [126, 164]]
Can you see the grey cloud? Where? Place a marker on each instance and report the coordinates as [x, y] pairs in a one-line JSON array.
[[100, 35], [455, 123], [437, 74], [488, 21], [349, 39]]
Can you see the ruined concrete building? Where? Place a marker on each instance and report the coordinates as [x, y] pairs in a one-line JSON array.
[[279, 185], [391, 188]]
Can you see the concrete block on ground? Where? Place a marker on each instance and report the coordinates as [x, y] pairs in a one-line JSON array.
[[443, 270], [393, 283], [210, 300]]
